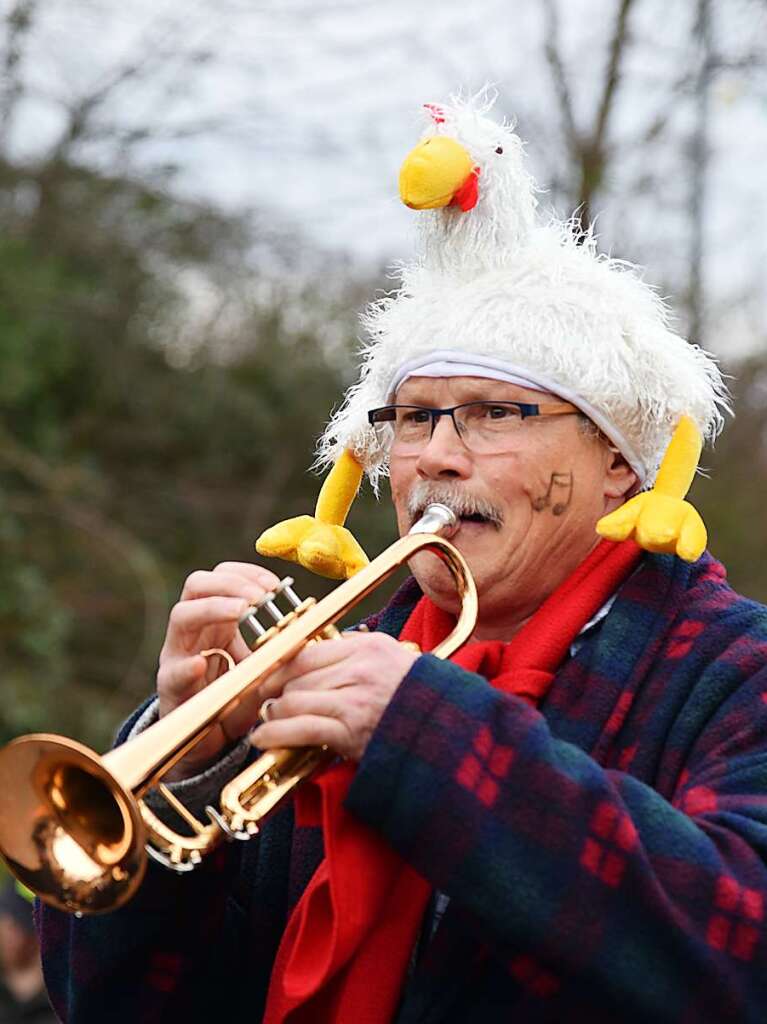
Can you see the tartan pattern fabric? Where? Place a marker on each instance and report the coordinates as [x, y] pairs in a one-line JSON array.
[[604, 855]]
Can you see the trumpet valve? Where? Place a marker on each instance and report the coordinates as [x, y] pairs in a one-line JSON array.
[[254, 632]]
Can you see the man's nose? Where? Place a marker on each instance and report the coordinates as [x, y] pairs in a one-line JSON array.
[[445, 454]]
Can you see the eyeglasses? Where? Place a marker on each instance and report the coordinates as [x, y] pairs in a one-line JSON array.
[[486, 428]]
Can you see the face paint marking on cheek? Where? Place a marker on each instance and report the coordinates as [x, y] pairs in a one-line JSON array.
[[561, 484]]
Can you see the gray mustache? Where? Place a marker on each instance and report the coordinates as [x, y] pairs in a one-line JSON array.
[[462, 502]]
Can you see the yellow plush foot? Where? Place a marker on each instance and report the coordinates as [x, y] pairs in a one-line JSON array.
[[658, 523], [661, 520], [321, 543], [323, 548], [284, 539]]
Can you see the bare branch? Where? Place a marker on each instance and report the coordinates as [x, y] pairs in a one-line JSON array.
[[82, 112], [557, 68], [699, 159], [158, 49], [588, 148], [612, 78], [18, 23]]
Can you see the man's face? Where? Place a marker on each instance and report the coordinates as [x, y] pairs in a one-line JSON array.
[[549, 487]]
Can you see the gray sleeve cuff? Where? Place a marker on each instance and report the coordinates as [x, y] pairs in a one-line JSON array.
[[199, 790]]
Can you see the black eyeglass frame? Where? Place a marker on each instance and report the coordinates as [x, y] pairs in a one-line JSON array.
[[526, 409]]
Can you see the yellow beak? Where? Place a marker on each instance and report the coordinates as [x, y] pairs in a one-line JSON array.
[[433, 172]]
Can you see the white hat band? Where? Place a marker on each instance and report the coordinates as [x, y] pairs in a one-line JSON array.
[[459, 363]]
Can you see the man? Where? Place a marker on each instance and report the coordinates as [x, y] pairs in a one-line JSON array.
[[568, 821]]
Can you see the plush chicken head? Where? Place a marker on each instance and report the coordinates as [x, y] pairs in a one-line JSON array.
[[467, 175]]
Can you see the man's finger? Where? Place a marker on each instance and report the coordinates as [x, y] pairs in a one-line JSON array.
[[177, 676], [314, 657], [193, 616], [305, 702], [224, 584], [302, 731], [327, 678], [263, 577], [331, 665]]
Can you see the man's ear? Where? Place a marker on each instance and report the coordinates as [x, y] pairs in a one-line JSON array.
[[620, 478]]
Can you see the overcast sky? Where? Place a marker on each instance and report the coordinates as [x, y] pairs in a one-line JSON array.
[[312, 106]]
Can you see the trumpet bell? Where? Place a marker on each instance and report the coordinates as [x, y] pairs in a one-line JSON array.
[[71, 832]]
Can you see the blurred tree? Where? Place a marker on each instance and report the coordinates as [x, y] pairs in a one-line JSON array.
[[732, 497], [633, 131], [120, 472], [158, 399], [588, 143]]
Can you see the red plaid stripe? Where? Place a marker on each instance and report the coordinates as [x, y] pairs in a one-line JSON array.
[[532, 976], [604, 851], [699, 800], [626, 757], [616, 719], [734, 928], [480, 771], [684, 637]]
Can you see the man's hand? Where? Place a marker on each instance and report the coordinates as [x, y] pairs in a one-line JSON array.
[[334, 693], [207, 616]]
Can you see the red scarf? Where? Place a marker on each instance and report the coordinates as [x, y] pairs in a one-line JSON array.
[[344, 953]]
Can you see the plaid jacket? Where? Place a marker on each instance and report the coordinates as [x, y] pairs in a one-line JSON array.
[[604, 855]]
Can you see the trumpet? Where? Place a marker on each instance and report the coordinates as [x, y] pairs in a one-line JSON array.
[[75, 827]]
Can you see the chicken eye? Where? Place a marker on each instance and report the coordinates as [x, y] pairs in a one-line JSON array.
[[499, 150]]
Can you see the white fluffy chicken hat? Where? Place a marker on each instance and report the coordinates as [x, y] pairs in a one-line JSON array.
[[497, 291]]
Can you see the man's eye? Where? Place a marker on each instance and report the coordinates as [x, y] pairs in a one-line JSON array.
[[499, 412], [416, 416]]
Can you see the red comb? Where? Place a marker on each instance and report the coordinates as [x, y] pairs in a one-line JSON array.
[[437, 112]]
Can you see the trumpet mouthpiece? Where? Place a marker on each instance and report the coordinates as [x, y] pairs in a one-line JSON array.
[[437, 518]]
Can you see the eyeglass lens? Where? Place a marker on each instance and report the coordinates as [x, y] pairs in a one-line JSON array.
[[482, 426]]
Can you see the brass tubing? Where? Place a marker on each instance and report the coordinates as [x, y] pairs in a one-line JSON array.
[[141, 762]]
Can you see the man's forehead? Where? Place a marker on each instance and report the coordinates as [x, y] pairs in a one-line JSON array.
[[428, 389]]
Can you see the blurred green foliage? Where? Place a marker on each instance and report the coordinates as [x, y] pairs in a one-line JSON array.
[[124, 466], [733, 494]]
